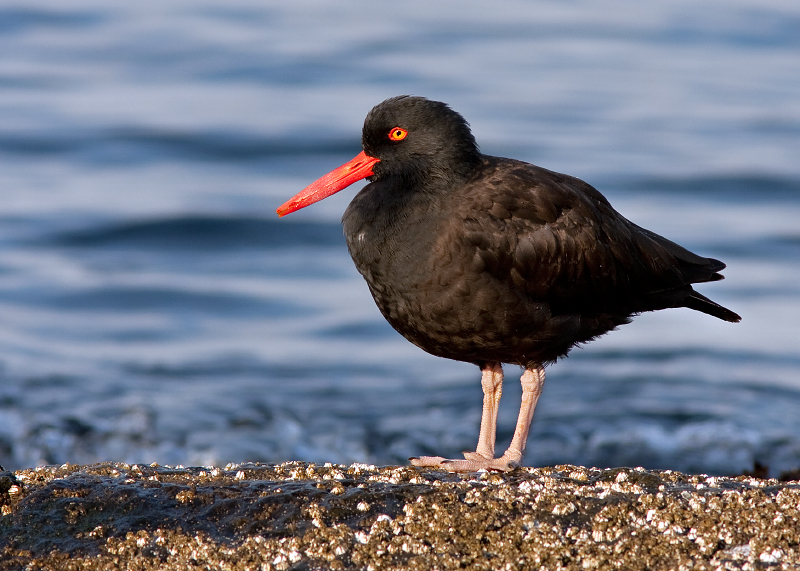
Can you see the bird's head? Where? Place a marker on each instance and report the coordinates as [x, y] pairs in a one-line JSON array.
[[423, 143]]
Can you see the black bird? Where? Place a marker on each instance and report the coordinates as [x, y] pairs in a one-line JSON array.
[[491, 260]]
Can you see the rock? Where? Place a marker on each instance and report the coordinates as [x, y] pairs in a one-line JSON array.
[[303, 516]]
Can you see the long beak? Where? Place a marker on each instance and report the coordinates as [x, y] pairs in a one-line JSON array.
[[358, 168]]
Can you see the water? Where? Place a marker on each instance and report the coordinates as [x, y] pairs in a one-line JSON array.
[[154, 309]]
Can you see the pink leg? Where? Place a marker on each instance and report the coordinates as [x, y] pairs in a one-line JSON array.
[[492, 384], [532, 384], [483, 458]]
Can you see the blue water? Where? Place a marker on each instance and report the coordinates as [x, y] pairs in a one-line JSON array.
[[154, 309]]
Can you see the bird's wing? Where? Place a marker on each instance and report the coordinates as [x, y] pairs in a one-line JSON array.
[[559, 240]]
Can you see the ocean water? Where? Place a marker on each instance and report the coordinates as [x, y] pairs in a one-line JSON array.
[[153, 308]]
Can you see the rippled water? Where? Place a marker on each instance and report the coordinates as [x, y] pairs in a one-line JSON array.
[[153, 307]]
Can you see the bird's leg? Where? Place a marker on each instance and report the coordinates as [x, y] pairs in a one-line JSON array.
[[492, 384], [532, 383]]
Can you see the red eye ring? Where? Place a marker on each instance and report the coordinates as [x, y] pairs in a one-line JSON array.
[[397, 134]]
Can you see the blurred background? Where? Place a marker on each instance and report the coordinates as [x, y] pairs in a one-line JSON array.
[[154, 309]]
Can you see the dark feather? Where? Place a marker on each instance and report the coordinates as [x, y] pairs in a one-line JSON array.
[[485, 259]]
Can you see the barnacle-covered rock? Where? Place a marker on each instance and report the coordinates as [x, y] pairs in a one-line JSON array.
[[305, 516]]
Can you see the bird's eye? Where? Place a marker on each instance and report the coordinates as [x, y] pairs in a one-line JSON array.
[[397, 134]]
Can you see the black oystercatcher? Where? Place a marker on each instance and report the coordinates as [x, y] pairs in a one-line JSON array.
[[491, 260]]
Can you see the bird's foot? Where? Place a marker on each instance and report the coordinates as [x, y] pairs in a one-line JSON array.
[[473, 462]]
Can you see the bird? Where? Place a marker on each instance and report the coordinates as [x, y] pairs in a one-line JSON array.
[[493, 261]]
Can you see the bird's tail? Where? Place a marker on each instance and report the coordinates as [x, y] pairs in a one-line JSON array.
[[700, 302]]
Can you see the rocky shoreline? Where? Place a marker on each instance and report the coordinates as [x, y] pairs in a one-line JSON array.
[[302, 516]]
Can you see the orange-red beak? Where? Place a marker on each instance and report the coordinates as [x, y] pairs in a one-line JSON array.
[[358, 168]]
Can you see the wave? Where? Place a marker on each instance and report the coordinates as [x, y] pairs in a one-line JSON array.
[[139, 145], [21, 20], [155, 299], [202, 233], [749, 187]]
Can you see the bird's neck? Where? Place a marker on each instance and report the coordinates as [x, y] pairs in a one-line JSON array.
[[386, 223]]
